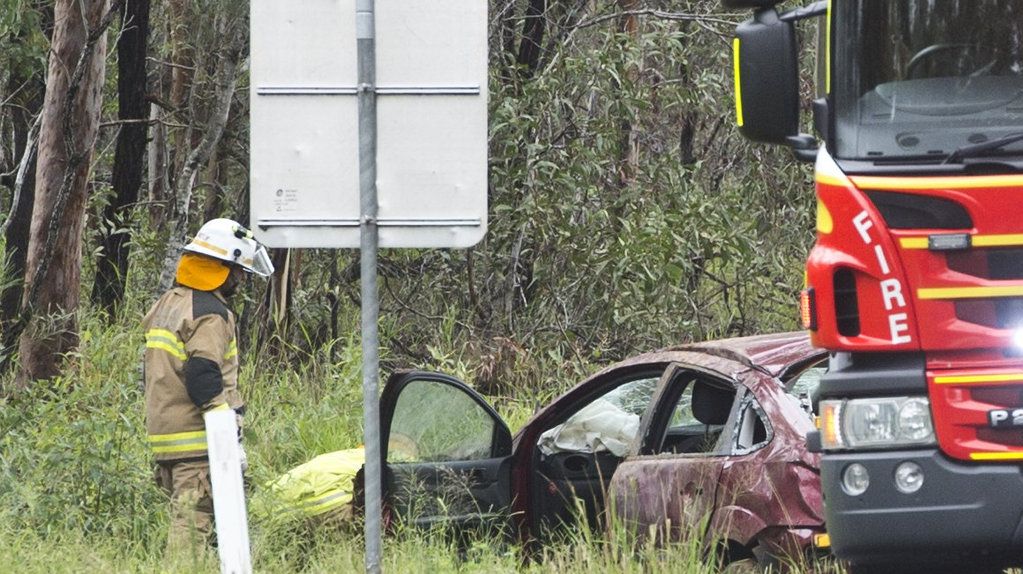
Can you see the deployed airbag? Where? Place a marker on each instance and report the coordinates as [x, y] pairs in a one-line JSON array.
[[599, 426]]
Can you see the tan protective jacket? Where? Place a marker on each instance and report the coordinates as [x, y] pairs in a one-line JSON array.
[[191, 366]]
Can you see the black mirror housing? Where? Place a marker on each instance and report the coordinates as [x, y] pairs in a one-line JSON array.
[[822, 117], [766, 78]]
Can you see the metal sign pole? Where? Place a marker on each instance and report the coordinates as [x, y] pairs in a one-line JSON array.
[[365, 35]]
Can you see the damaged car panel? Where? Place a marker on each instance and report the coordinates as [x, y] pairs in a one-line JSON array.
[[767, 497], [704, 435]]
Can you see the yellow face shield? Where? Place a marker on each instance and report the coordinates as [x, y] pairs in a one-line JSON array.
[[201, 273]]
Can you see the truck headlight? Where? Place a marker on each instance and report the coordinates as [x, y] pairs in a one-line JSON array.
[[886, 422]]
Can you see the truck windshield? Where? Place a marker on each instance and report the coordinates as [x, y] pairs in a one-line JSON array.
[[916, 79]]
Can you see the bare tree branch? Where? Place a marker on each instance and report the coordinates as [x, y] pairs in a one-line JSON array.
[[31, 146], [226, 79]]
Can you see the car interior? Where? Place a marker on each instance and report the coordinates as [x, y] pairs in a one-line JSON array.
[[573, 482], [698, 419]]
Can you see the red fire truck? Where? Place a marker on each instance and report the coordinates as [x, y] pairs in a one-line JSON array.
[[915, 282]]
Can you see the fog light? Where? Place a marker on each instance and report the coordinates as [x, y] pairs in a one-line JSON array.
[[855, 479], [909, 477]]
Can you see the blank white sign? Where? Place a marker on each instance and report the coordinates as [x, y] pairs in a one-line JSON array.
[[431, 123]]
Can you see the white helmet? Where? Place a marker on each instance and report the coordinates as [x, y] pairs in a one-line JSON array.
[[230, 241]]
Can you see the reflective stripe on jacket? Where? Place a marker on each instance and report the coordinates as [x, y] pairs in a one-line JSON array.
[[320, 485], [191, 366]]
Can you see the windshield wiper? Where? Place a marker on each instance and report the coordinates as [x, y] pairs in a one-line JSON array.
[[976, 150]]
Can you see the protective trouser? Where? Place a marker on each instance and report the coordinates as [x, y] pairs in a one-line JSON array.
[[188, 485]]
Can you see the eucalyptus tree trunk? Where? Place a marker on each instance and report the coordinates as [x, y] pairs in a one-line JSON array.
[[70, 122], [226, 81], [534, 27], [129, 156], [183, 77], [629, 142]]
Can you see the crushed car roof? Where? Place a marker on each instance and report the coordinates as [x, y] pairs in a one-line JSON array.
[[773, 353]]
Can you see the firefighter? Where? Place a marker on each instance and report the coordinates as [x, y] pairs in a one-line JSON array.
[[191, 367]]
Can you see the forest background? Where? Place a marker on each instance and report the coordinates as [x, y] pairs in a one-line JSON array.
[[626, 214]]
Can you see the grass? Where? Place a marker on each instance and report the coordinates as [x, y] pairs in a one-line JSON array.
[[77, 492]]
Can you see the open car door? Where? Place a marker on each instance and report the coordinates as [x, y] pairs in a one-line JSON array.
[[446, 454]]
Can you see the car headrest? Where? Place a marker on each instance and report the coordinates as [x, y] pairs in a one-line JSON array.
[[711, 404]]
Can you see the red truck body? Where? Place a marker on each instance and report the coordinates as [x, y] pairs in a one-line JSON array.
[[911, 298], [915, 282]]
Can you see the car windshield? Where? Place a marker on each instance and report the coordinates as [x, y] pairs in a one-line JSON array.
[[803, 387], [922, 78]]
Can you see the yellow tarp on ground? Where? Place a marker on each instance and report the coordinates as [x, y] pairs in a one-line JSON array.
[[322, 484]]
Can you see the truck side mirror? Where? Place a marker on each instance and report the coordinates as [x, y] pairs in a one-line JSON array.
[[766, 79]]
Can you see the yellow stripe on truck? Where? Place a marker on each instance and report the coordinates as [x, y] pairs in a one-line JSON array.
[[825, 224], [883, 183], [975, 379], [914, 243], [996, 455], [738, 83], [1004, 240], [970, 292]]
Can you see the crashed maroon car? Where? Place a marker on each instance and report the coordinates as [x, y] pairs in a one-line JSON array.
[[713, 429]]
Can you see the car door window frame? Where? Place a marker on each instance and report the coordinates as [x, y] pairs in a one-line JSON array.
[[559, 412], [749, 400], [654, 424], [485, 489], [612, 382], [500, 440]]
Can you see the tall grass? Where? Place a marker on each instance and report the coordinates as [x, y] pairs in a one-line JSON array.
[[77, 491]]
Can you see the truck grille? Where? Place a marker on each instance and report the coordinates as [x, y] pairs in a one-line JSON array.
[[1007, 437], [998, 263], [912, 211], [1005, 397], [1004, 264], [962, 426], [1004, 313]]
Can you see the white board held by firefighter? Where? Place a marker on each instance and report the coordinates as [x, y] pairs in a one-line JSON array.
[[431, 78], [228, 492]]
